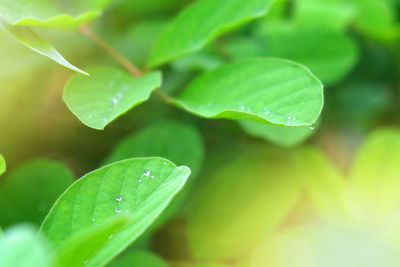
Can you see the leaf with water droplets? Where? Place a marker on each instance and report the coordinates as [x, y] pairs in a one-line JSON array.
[[139, 258], [34, 41], [264, 90], [21, 246], [107, 94], [2, 165], [27, 192], [210, 19], [95, 196], [177, 141]]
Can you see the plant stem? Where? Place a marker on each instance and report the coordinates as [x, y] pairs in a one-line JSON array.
[[85, 30]]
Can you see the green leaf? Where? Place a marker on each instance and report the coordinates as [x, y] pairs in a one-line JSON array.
[[47, 13], [243, 201], [329, 55], [83, 246], [177, 141], [2, 165], [139, 258], [107, 94], [371, 192], [280, 135], [210, 19], [28, 192], [139, 189], [20, 246], [32, 40], [264, 90]]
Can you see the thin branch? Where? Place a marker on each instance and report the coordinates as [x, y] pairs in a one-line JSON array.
[[85, 30]]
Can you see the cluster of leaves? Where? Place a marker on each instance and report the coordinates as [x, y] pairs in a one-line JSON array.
[[261, 64]]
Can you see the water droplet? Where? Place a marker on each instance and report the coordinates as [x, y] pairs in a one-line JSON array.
[[105, 119], [137, 202], [139, 180], [312, 127], [115, 101], [90, 117], [93, 219], [118, 198], [165, 163], [86, 261], [288, 122], [242, 107], [152, 177], [111, 236], [294, 118], [146, 173], [118, 210], [289, 117]]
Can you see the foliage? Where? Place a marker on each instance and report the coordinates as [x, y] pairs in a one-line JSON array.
[[204, 133]]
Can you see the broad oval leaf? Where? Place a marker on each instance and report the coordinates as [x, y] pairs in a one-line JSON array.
[[269, 90], [210, 19], [177, 141], [372, 190], [21, 246], [244, 201], [32, 40], [139, 189], [28, 192], [2, 165], [107, 94], [47, 13]]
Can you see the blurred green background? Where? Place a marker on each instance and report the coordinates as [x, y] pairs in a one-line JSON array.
[[323, 197]]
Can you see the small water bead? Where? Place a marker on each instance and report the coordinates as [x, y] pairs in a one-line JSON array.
[[118, 210], [90, 117], [289, 117], [118, 198], [115, 101], [312, 127], [146, 173], [93, 219], [111, 236], [152, 177], [165, 163], [267, 112], [139, 180], [294, 118], [86, 261], [105, 120]]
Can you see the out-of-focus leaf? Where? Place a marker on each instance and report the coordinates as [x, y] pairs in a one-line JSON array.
[[179, 142], [139, 258], [28, 192], [139, 189], [20, 246], [270, 90], [323, 184], [32, 40], [277, 134], [371, 192], [332, 15], [202, 22], [329, 55], [107, 94], [201, 61], [2, 165], [47, 13], [243, 202], [376, 18]]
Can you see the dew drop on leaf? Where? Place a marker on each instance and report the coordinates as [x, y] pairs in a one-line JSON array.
[[118, 198], [118, 210], [146, 173]]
